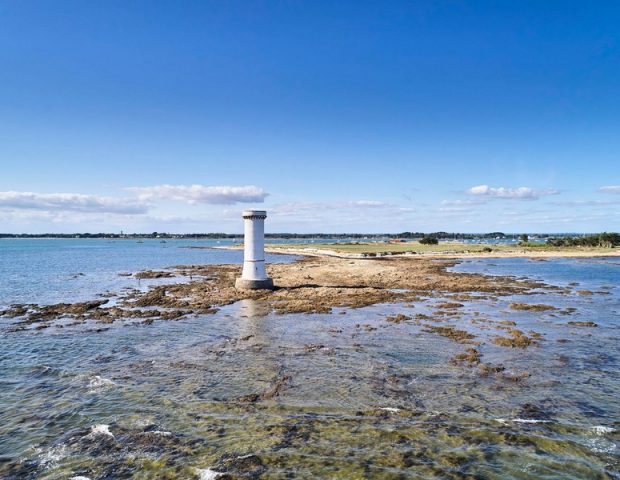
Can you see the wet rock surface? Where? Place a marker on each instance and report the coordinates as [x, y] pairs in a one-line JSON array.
[[531, 308], [582, 324], [460, 336], [397, 318], [516, 339], [310, 285], [154, 274]]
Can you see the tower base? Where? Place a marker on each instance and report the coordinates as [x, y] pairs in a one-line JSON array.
[[243, 284]]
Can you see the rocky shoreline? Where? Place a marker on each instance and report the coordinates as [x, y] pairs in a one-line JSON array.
[[308, 285], [317, 285]]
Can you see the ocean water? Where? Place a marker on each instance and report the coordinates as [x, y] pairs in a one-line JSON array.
[[67, 270], [344, 395]]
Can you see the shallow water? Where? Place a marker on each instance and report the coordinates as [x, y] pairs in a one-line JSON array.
[[69, 270], [343, 395]]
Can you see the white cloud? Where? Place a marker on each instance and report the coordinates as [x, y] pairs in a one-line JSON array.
[[610, 189], [520, 193], [70, 202], [193, 194]]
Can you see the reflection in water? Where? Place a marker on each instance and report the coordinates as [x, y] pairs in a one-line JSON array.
[[349, 395], [254, 324]]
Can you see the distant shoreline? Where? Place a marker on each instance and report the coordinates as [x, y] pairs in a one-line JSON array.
[[443, 250], [406, 236]]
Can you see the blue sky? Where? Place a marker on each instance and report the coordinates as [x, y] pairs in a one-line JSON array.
[[334, 116]]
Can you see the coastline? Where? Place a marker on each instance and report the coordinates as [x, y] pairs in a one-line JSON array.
[[416, 250], [324, 277], [460, 253], [311, 284]]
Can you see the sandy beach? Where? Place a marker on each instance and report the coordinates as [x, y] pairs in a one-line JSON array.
[[444, 250]]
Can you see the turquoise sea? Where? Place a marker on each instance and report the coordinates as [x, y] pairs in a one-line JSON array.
[[370, 399]]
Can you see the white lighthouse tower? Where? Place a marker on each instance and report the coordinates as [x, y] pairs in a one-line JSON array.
[[254, 275]]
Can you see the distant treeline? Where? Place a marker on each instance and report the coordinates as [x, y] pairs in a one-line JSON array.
[[568, 237], [605, 239]]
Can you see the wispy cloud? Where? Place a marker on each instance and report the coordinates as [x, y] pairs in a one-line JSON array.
[[366, 203], [71, 202], [610, 189], [455, 210], [194, 194], [338, 214], [587, 203], [519, 193], [463, 202], [295, 208]]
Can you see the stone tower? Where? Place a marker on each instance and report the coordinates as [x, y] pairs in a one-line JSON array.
[[254, 275]]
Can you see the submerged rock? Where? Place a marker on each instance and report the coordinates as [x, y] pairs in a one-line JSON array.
[[584, 293], [517, 339], [582, 324], [15, 311], [153, 274], [460, 336], [274, 390], [397, 318], [531, 307], [239, 466], [313, 347], [534, 412], [449, 305], [488, 368], [471, 356]]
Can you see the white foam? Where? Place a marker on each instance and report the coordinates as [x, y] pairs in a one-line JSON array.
[[79, 477], [601, 445], [528, 420], [602, 430], [100, 429], [207, 474], [98, 382], [504, 421], [390, 409], [51, 455]]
